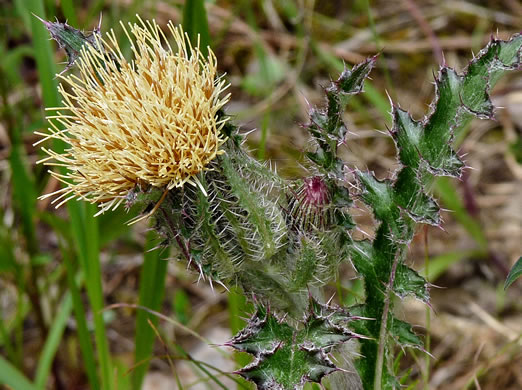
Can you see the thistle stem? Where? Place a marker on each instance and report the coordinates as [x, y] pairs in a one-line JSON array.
[[384, 325], [427, 341]]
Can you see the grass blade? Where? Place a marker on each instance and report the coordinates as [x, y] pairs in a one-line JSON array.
[[440, 264], [42, 50], [52, 342], [84, 226], [11, 377], [24, 192], [195, 22], [84, 338], [62, 229], [152, 288], [69, 12]]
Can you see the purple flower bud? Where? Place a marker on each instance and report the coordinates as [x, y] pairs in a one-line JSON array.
[[309, 206]]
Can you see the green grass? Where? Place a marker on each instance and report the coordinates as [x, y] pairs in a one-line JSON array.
[[84, 227], [11, 376], [52, 342], [195, 22], [152, 289]]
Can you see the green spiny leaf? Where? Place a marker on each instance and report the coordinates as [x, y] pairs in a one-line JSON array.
[[514, 273], [380, 195], [288, 357], [403, 333], [327, 126], [409, 282], [71, 39], [326, 326], [352, 81]]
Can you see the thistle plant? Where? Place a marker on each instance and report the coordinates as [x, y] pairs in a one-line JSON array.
[[153, 133]]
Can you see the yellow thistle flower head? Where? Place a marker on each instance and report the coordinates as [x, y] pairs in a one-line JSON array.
[[151, 121]]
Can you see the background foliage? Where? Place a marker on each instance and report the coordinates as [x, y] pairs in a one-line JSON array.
[[60, 269]]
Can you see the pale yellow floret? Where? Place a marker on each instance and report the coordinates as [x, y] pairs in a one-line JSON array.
[[151, 121]]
